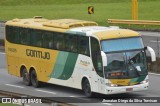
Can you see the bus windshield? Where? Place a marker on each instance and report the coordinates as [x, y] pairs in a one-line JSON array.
[[115, 45], [125, 58]]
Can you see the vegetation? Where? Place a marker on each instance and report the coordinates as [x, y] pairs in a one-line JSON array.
[[7, 104], [77, 9]]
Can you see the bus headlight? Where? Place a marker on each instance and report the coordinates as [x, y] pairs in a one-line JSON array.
[[111, 85]]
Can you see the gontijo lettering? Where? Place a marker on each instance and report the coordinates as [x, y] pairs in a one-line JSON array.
[[38, 54]]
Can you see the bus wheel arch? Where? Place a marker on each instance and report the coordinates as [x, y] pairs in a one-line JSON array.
[[86, 87], [21, 70], [25, 75]]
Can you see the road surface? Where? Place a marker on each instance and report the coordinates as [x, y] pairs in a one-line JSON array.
[[14, 84]]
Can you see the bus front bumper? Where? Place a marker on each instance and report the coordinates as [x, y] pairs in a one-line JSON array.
[[124, 89]]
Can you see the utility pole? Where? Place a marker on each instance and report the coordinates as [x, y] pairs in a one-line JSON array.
[[134, 9]]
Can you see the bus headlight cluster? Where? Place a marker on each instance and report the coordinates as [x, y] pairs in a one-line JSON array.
[[111, 85]]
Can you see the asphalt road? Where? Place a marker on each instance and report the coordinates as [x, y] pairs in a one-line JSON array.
[[2, 30], [14, 84]]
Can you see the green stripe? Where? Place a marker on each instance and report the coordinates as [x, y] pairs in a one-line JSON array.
[[69, 66], [64, 65], [59, 65], [134, 80], [138, 79], [141, 78]]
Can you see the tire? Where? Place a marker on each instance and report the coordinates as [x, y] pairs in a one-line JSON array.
[[87, 89], [26, 77], [34, 80]]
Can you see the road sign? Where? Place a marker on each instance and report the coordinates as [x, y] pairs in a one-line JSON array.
[[90, 9]]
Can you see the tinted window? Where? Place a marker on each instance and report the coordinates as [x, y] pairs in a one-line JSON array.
[[47, 40], [96, 56], [59, 41], [24, 36], [36, 38], [71, 43], [122, 44], [12, 34], [83, 45]]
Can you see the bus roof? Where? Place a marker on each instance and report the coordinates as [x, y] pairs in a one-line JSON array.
[[106, 32], [60, 25], [89, 28], [114, 34]]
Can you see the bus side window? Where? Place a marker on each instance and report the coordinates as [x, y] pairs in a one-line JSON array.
[[96, 56], [74, 44], [47, 40], [71, 43], [24, 36], [9, 33], [36, 38], [83, 45], [12, 34], [68, 42], [59, 41]]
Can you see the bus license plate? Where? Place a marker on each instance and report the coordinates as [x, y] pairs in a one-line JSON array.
[[129, 89]]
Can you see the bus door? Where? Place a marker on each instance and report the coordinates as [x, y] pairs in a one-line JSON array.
[[98, 66]]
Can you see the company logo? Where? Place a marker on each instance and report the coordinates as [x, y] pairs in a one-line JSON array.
[[38, 54], [84, 63]]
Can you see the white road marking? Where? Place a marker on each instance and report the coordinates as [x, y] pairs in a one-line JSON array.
[[14, 86], [82, 98], [153, 73], [72, 96], [45, 91], [107, 104], [2, 53]]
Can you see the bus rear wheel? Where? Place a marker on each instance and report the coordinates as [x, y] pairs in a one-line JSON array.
[[87, 88], [26, 77], [34, 79]]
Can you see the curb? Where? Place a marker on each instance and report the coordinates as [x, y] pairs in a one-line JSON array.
[[154, 74]]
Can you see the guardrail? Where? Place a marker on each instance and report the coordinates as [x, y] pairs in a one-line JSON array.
[[133, 22]]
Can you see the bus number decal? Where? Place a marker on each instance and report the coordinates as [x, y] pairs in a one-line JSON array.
[[12, 50]]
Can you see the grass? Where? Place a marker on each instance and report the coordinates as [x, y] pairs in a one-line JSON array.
[[77, 9], [7, 104]]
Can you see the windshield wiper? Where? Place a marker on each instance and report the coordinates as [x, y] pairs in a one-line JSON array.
[[132, 64]]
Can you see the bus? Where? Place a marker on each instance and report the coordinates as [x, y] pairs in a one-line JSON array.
[[77, 54]]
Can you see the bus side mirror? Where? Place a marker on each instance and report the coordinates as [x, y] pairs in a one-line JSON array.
[[152, 53], [104, 58]]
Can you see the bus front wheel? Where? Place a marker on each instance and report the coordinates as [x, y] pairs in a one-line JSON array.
[[87, 88], [26, 77], [34, 79]]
